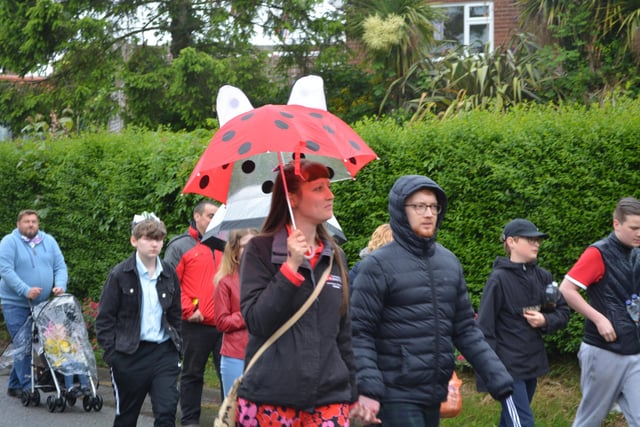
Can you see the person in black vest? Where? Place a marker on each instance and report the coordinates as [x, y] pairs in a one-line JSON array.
[[609, 271]]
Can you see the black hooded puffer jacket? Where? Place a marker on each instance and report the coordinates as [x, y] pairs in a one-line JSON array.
[[410, 307]]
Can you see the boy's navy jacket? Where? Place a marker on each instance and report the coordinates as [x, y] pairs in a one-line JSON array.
[[511, 288]]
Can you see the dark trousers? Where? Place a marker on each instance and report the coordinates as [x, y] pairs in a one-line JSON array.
[[523, 391], [153, 369], [400, 414], [199, 342]]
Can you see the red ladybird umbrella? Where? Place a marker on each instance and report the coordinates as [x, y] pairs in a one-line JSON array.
[[245, 150]]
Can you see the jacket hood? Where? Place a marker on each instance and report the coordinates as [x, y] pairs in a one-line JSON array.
[[404, 187]]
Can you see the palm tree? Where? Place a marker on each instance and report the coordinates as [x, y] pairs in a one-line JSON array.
[[396, 33], [605, 20]]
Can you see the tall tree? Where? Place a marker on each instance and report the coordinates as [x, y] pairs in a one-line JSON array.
[[594, 42], [33, 33], [86, 41], [395, 33], [605, 21]]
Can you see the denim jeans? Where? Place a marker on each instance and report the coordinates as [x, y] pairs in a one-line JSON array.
[[15, 316], [230, 369]]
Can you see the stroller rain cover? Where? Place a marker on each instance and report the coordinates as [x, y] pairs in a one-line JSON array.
[[63, 337]]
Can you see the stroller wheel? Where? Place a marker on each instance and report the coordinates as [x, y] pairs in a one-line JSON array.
[[26, 397], [86, 403], [61, 404], [97, 403], [35, 399], [51, 403], [71, 400]]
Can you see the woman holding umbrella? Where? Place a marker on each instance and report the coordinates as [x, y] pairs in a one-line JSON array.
[[307, 376]]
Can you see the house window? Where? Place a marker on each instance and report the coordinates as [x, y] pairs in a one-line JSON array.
[[5, 133], [469, 24]]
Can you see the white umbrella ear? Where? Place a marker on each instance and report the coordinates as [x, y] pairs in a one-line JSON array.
[[231, 102], [308, 91]]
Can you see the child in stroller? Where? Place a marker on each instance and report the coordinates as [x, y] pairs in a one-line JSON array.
[[61, 349]]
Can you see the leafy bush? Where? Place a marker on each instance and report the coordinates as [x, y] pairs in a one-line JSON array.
[[460, 81]]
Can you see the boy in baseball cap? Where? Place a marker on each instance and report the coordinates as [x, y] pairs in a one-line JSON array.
[[514, 313]]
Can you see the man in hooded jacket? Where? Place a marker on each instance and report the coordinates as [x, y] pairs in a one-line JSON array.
[[410, 309]]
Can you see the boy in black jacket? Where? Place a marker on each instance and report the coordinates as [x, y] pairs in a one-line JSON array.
[[138, 327], [515, 310]]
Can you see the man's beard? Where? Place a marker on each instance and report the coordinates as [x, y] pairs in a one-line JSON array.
[[30, 234]]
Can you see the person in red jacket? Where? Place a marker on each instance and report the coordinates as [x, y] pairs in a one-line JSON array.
[[229, 320], [196, 265]]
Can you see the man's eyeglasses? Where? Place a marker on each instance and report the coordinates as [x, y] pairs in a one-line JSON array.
[[421, 208]]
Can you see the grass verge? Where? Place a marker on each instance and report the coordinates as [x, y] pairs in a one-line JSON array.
[[554, 404]]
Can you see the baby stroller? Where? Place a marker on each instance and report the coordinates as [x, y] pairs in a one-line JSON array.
[[60, 347]]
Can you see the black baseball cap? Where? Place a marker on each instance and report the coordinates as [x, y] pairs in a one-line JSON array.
[[521, 228]]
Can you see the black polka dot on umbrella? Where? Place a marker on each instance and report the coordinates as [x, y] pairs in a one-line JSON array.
[[204, 182], [355, 145], [282, 125], [312, 145], [247, 116], [329, 129], [228, 135], [244, 148], [267, 187], [248, 166]]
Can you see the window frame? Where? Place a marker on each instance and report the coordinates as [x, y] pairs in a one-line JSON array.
[[469, 21]]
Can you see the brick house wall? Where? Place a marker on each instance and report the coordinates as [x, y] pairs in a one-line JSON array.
[[505, 18]]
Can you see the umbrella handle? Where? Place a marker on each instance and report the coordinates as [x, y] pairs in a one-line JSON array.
[[312, 250], [286, 190]]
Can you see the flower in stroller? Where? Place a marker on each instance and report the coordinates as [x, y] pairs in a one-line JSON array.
[[57, 344]]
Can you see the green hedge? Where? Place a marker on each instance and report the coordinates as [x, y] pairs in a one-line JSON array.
[[563, 168], [89, 188]]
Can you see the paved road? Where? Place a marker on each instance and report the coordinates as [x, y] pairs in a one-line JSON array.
[[12, 413]]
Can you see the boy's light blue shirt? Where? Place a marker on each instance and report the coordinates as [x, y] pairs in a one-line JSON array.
[[151, 322]]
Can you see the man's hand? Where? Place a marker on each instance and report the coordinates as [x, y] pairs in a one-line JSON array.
[[57, 291], [34, 293], [196, 317], [366, 410]]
